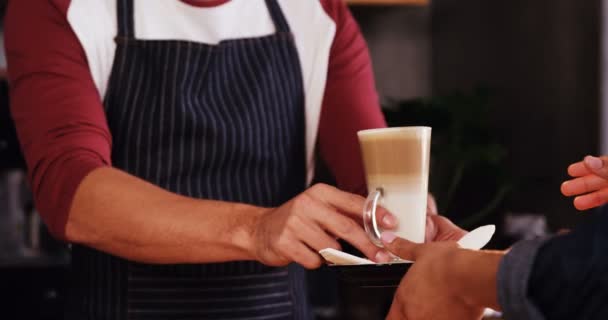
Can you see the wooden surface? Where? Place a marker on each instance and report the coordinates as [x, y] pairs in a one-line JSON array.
[[389, 2]]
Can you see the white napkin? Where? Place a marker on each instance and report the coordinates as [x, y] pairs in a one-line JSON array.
[[474, 240]]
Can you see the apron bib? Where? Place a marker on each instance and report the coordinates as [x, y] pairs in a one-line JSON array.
[[222, 122]]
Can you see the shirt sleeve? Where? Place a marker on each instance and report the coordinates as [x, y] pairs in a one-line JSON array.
[[569, 279], [565, 277], [350, 103], [56, 107], [513, 281]]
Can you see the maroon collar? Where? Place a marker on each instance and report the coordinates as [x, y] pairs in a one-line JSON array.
[[206, 3]]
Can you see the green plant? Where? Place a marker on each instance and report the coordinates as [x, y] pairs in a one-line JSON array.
[[467, 158]]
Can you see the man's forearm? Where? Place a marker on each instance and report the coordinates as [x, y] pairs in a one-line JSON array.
[[128, 217]]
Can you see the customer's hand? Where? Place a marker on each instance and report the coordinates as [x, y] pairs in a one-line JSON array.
[[439, 228], [445, 282], [589, 183], [312, 221]]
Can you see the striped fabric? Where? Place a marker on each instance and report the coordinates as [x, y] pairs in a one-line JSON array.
[[222, 122]]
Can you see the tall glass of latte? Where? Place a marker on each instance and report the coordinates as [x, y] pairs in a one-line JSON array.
[[396, 164]]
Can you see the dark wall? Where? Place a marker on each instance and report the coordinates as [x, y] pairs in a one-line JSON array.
[[400, 46], [540, 59]]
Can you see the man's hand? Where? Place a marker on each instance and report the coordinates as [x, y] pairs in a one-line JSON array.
[[445, 282], [439, 228], [589, 183], [312, 221]]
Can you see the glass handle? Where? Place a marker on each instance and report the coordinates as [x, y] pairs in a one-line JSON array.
[[369, 217]]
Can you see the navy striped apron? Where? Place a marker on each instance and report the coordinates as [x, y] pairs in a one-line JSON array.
[[223, 122]]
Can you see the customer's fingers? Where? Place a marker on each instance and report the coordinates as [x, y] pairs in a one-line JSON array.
[[578, 170], [591, 200], [597, 165], [431, 205], [583, 185], [440, 228], [431, 231], [400, 247], [396, 311]]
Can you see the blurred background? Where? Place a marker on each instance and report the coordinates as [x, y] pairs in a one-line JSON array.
[[513, 91]]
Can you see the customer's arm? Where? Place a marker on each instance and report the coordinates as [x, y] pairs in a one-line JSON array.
[[445, 282], [567, 279]]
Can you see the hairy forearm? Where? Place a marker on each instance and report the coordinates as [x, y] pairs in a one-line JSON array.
[[128, 217], [475, 277]]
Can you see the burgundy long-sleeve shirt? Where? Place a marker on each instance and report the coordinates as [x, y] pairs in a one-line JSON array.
[[60, 53]]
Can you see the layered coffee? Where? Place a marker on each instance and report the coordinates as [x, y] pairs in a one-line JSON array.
[[396, 162]]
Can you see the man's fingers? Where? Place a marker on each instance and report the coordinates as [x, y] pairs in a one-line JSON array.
[[316, 238], [351, 204], [348, 230], [400, 247], [305, 257], [348, 203], [385, 219], [591, 200], [597, 165], [578, 169], [582, 185]]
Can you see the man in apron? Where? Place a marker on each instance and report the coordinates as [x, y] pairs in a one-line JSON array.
[[172, 142]]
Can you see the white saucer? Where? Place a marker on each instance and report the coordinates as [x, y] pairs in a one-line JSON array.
[[474, 240]]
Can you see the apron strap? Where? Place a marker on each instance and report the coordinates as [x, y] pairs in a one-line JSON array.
[[126, 24], [278, 18], [124, 16]]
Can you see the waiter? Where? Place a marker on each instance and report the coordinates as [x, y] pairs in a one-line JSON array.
[[172, 142]]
